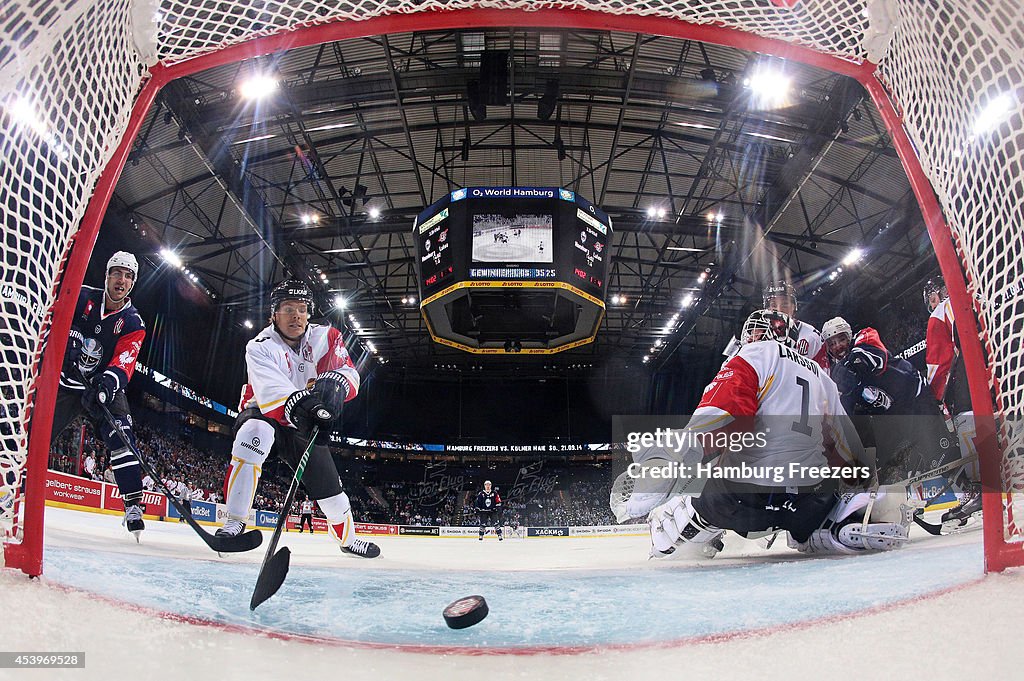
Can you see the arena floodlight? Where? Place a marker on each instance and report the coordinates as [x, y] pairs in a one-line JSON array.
[[853, 257], [769, 88], [247, 323], [258, 86], [171, 258]]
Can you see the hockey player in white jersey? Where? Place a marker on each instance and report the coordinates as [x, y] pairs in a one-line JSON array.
[[789, 478], [299, 376], [781, 296]]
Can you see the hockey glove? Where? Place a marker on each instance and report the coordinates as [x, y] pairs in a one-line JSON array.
[[103, 388], [333, 389], [879, 399], [73, 351], [304, 409]]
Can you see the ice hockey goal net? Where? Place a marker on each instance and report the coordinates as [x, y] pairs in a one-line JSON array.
[[76, 77]]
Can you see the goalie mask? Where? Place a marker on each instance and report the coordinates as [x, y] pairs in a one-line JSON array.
[[837, 334], [769, 325], [780, 295]]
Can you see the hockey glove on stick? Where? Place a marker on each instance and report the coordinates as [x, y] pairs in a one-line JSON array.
[[333, 389], [308, 413]]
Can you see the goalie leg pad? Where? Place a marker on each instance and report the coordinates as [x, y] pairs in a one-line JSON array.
[[677, 522], [250, 449], [338, 510]]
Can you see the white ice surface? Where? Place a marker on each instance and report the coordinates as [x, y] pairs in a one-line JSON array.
[[596, 605]]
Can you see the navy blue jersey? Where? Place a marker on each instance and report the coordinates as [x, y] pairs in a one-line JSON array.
[[112, 339], [870, 364], [487, 501]]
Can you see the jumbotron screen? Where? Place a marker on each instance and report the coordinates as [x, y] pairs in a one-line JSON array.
[[513, 234]]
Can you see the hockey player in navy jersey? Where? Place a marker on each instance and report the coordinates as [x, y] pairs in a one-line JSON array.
[[102, 347], [488, 507], [889, 389], [299, 376]]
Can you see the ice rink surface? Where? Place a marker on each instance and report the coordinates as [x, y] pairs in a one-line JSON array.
[[567, 608]]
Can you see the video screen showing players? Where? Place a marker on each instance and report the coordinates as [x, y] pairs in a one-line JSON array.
[[519, 237]]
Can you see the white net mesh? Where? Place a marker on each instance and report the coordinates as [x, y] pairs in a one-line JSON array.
[[69, 72]]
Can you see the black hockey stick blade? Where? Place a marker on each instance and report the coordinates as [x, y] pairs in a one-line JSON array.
[[247, 541], [927, 526], [271, 577]]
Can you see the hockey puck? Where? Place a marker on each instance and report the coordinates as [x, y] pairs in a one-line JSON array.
[[465, 612]]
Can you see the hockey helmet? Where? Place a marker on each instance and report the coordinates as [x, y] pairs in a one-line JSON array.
[[126, 260], [834, 327], [776, 289], [932, 286], [832, 333], [487, 483], [291, 289], [769, 325]]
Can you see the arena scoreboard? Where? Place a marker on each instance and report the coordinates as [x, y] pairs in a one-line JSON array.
[[512, 269]]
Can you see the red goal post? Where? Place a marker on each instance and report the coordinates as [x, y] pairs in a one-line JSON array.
[[77, 80]]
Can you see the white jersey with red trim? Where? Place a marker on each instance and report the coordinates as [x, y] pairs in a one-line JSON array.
[[276, 370], [773, 390], [809, 343]]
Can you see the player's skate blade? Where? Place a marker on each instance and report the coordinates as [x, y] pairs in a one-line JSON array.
[[363, 549]]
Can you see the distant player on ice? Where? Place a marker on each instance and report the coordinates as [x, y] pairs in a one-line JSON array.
[[488, 507], [300, 376]]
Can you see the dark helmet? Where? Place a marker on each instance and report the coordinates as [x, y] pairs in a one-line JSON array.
[[934, 285], [779, 288], [291, 289]]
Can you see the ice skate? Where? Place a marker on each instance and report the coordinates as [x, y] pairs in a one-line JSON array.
[[361, 548]]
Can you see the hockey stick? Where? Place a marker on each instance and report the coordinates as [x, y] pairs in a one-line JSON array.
[[275, 565], [920, 477], [243, 542]]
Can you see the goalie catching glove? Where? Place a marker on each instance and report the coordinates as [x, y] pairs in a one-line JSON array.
[[306, 409]]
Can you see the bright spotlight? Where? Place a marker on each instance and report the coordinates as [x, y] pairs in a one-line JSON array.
[[769, 88], [258, 87], [247, 323], [853, 257], [374, 213], [170, 257], [339, 302]]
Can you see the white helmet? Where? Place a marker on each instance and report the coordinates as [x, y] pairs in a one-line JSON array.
[[487, 483], [834, 327], [124, 259]]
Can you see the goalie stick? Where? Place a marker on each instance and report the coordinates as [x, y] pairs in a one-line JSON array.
[[275, 565], [243, 542]]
